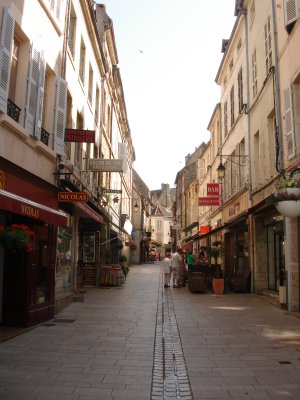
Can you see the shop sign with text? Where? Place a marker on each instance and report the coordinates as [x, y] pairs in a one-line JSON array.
[[79, 135], [208, 201], [212, 189], [97, 164], [73, 197]]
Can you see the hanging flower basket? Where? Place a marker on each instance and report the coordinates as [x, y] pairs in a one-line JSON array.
[[289, 208], [16, 237], [286, 198]]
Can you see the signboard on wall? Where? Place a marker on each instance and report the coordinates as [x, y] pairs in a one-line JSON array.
[[79, 135], [212, 189], [208, 201], [73, 196], [105, 165], [204, 229]]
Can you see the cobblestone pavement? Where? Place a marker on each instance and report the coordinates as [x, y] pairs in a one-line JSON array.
[[170, 378], [142, 341]]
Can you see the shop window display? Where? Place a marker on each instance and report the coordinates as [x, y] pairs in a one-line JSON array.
[[63, 261], [41, 290]]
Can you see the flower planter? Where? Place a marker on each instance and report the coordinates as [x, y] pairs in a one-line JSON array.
[[289, 191], [218, 286], [289, 208]]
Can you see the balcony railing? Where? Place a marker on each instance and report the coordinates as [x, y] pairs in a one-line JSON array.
[[13, 110], [44, 136]]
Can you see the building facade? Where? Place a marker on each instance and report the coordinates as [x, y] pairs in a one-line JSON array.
[[66, 154], [255, 140]]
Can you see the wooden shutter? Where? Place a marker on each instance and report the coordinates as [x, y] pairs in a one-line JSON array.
[[290, 11], [32, 90], [6, 44], [40, 97], [60, 116], [289, 122]]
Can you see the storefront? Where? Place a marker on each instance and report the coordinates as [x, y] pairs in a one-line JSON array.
[[90, 224], [236, 241], [27, 269], [269, 248], [64, 265]]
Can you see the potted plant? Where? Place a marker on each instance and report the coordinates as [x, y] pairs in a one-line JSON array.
[[286, 197], [214, 252], [106, 200], [16, 237], [125, 268], [122, 260]]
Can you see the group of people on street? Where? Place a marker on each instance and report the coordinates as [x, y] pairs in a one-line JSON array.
[[176, 265]]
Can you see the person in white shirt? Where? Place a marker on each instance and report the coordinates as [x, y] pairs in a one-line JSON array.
[[167, 269], [176, 268], [68, 258]]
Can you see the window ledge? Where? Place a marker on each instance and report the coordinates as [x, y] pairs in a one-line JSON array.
[[46, 151], [14, 127]]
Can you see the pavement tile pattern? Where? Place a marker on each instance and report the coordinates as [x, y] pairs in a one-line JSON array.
[[170, 378], [121, 343]]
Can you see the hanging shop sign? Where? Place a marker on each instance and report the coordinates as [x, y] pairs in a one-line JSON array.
[[79, 135], [204, 229], [97, 164], [208, 201], [73, 197], [212, 189], [105, 191]]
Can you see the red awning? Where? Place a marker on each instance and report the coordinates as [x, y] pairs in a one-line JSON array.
[[187, 246], [89, 213], [28, 208]]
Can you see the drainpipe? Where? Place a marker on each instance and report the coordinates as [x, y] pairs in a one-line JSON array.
[[244, 12], [278, 102], [287, 223]]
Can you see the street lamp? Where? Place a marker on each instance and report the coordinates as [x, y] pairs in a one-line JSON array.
[[136, 207], [221, 170], [242, 160]]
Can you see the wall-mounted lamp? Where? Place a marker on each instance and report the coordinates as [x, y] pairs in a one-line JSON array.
[[221, 171], [242, 160], [136, 208]]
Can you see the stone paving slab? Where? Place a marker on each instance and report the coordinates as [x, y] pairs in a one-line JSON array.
[[224, 347]]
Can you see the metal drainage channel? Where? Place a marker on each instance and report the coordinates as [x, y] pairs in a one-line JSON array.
[[170, 378]]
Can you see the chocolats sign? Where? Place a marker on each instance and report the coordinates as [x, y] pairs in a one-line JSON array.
[[79, 135], [73, 196]]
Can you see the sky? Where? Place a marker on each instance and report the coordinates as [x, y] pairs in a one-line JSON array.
[[169, 53]]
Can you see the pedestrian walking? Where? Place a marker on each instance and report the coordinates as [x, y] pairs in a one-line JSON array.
[[190, 259], [176, 260], [182, 273], [167, 269]]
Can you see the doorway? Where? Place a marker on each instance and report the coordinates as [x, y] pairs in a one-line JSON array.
[[276, 254]]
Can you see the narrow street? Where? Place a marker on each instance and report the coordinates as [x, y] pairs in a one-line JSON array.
[[142, 341]]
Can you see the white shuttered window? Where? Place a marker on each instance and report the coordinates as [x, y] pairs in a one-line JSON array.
[[60, 116], [290, 11], [289, 122], [6, 44], [32, 90]]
